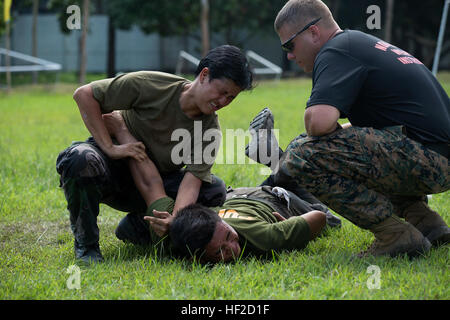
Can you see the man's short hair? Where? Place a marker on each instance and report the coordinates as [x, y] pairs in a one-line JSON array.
[[227, 62], [300, 12], [192, 229]]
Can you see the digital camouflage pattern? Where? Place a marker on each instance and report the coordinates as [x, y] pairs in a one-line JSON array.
[[365, 174]]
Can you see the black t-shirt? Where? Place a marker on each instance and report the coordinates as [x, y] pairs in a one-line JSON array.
[[375, 84]]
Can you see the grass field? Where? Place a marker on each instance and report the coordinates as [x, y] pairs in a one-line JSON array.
[[36, 244]]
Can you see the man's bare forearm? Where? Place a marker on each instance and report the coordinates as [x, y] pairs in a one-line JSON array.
[[188, 191], [92, 117], [321, 120], [145, 174], [147, 180]]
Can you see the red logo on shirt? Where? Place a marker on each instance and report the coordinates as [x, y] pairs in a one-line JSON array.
[[404, 57], [383, 46]]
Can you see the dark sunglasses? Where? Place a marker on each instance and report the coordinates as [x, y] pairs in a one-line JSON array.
[[288, 46]]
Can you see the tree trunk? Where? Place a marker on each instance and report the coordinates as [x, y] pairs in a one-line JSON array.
[[111, 68], [34, 36], [84, 29], [389, 19], [205, 27], [7, 57]]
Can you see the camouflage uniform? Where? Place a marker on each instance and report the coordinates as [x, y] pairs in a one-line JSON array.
[[365, 174], [89, 178]]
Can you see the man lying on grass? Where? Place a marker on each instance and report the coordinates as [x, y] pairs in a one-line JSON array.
[[259, 219]]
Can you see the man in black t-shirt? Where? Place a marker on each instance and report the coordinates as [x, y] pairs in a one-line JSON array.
[[395, 149]]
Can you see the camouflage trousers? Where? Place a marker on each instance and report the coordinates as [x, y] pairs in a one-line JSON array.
[[88, 178], [365, 174]]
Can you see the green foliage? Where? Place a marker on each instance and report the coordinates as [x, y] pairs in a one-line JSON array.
[[60, 7], [164, 17], [231, 17], [416, 22], [36, 243], [183, 17], [227, 17]]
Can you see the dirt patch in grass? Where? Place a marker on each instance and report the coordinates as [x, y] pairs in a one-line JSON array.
[[39, 233], [23, 234]]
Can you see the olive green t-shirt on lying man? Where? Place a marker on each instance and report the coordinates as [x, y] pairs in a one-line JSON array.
[[150, 106], [259, 231]]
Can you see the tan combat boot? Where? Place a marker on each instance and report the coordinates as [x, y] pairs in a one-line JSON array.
[[427, 221], [394, 237]]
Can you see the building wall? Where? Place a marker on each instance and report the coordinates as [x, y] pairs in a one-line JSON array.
[[57, 47], [134, 49]]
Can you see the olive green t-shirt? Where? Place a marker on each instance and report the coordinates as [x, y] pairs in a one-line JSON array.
[[150, 106], [259, 231]]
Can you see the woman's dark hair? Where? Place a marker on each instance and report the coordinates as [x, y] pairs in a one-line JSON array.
[[227, 62], [192, 229]]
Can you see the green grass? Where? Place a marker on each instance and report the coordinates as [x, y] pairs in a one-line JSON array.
[[36, 244]]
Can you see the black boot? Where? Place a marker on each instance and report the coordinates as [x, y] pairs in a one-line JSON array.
[[88, 254], [83, 204], [263, 139], [134, 229]]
